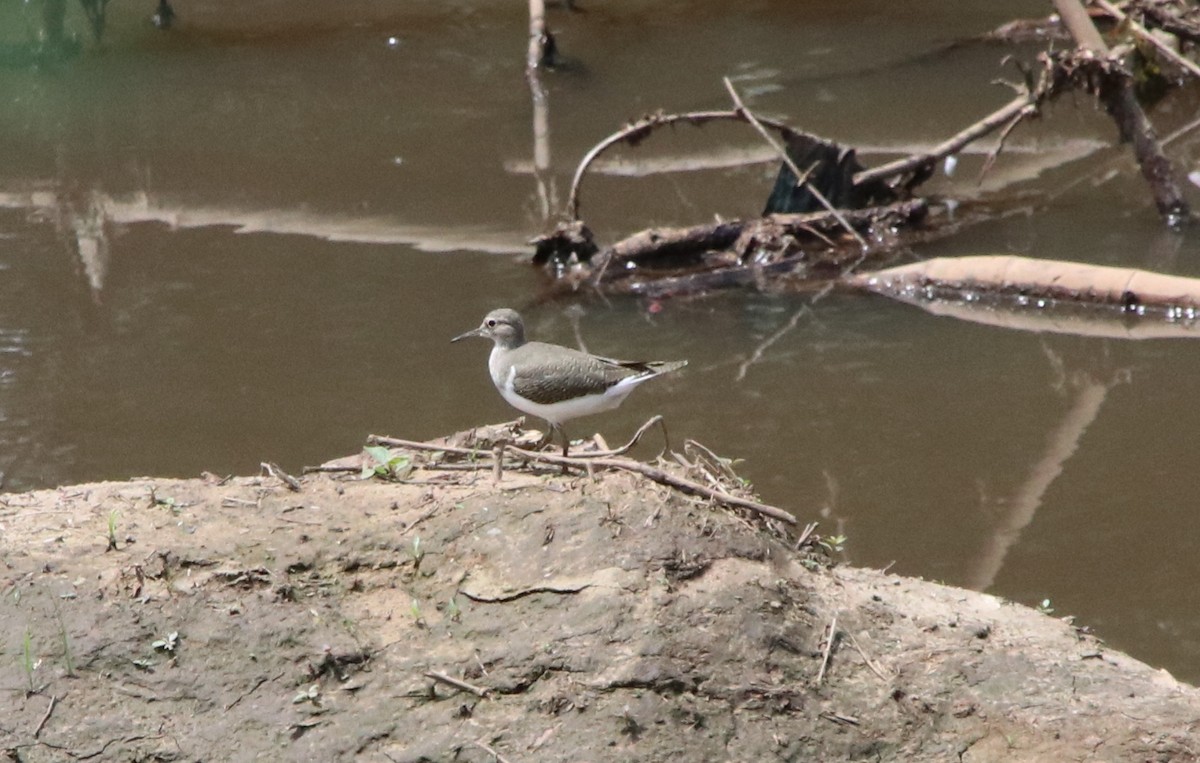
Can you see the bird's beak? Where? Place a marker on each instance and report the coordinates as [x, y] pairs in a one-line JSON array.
[[471, 333]]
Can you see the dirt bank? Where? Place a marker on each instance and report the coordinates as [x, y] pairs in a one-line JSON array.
[[582, 619]]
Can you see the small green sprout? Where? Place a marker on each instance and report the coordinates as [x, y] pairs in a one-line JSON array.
[[28, 663], [112, 531], [416, 552], [379, 462], [835, 543], [68, 658]]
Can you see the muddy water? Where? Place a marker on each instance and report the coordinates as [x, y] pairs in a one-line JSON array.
[[251, 238]]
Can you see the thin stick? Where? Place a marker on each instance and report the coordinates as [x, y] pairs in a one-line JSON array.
[[717, 461], [330, 469], [870, 663], [801, 177], [483, 746], [1020, 107], [666, 478], [42, 723], [1146, 35], [395, 442], [656, 419], [828, 649], [457, 684], [805, 534]]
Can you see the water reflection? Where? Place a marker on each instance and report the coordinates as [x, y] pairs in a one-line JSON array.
[[1086, 396]]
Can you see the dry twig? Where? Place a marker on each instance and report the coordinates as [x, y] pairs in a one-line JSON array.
[[829, 639], [457, 683], [275, 471], [870, 663], [42, 723], [483, 746]]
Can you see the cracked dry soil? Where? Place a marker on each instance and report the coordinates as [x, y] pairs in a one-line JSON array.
[[571, 619]]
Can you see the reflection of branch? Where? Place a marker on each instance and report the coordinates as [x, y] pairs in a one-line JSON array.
[[635, 132], [765, 344], [1062, 444]]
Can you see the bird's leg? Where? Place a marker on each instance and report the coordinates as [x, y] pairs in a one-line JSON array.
[[566, 440]]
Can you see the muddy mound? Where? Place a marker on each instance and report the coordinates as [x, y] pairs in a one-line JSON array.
[[543, 618]]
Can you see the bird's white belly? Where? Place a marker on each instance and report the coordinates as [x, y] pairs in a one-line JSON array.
[[557, 413]]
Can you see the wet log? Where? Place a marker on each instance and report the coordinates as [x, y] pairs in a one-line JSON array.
[[982, 282]]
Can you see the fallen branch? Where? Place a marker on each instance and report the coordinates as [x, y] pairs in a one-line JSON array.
[[1024, 105]]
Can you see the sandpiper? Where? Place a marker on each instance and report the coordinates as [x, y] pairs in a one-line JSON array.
[[553, 382]]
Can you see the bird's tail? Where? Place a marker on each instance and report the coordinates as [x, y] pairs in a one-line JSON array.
[[665, 366]]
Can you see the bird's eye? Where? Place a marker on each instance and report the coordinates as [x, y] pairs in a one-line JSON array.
[[491, 323]]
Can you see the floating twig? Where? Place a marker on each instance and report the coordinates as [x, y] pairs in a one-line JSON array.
[[1018, 108]]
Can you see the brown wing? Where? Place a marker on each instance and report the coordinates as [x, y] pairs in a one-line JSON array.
[[565, 374]]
